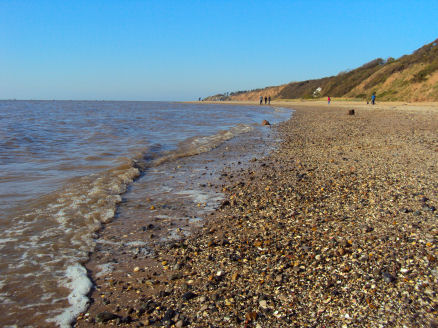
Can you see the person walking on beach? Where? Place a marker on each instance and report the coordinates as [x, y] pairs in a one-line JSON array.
[[269, 100], [328, 100], [266, 100], [373, 98], [261, 100]]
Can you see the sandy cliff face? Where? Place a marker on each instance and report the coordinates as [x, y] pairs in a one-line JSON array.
[[255, 95], [409, 78], [400, 86]]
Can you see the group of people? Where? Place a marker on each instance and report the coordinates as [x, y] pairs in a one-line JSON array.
[[267, 100]]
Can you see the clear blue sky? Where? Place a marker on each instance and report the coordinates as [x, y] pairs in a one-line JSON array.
[[182, 50]]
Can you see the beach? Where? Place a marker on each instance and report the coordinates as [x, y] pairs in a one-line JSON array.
[[69, 167], [336, 227]]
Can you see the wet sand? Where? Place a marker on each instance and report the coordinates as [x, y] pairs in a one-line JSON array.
[[336, 228]]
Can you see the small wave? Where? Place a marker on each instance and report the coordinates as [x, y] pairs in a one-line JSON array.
[[62, 226], [192, 146]]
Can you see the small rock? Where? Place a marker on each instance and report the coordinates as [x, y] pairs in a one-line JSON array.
[[429, 208], [225, 203], [106, 316], [251, 316], [126, 319], [429, 292], [202, 299], [176, 276], [387, 277], [263, 304], [188, 296], [203, 308], [169, 315]]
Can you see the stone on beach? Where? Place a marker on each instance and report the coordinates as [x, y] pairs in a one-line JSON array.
[[106, 316]]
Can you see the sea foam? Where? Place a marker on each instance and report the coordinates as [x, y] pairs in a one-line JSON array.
[[80, 285]]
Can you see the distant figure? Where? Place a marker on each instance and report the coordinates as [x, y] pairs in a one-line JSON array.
[[266, 100], [373, 98], [261, 100], [328, 100], [269, 100], [199, 99]]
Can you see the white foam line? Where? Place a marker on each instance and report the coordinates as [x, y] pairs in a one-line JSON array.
[[80, 286], [197, 196], [7, 240], [105, 241], [136, 243], [162, 216], [104, 269]]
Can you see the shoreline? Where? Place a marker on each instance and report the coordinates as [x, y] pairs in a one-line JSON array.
[[335, 103], [336, 227]]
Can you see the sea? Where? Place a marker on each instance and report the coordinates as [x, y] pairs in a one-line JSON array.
[[67, 167]]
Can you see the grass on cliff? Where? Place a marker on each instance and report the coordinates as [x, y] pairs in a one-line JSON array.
[[371, 77]]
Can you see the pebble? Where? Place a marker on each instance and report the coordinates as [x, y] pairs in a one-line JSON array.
[[251, 316], [105, 316], [388, 277], [202, 299], [203, 308], [169, 315], [188, 296]]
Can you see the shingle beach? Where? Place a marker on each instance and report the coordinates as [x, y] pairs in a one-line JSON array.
[[337, 227]]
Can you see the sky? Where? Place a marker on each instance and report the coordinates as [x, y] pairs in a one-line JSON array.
[[182, 50]]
